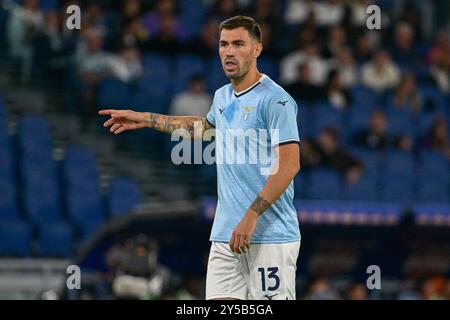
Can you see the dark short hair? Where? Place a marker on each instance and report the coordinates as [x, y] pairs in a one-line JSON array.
[[245, 22]]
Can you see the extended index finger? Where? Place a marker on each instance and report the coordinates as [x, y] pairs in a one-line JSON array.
[[106, 112]]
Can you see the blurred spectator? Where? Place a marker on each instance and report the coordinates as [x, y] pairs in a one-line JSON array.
[[381, 73], [224, 9], [190, 290], [363, 51], [310, 55], [329, 12], [338, 97], [264, 11], [359, 12], [297, 11], [137, 272], [377, 136], [409, 291], [321, 290], [125, 66], [50, 53], [207, 42], [166, 40], [433, 288], [156, 22], [438, 138], [327, 152], [336, 40], [192, 102], [402, 49], [24, 22], [345, 64], [93, 16], [406, 94], [303, 89], [439, 58], [357, 291], [128, 30]]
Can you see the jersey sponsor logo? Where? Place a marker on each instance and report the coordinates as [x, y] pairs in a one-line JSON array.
[[283, 102], [221, 110]]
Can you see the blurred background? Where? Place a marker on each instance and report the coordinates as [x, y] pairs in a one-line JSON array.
[[374, 110]]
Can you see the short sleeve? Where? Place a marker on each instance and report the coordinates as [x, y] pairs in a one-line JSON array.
[[281, 120], [211, 116]]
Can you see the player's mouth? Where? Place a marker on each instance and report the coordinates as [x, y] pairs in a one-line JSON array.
[[229, 64]]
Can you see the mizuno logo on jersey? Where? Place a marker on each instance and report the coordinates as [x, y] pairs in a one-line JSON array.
[[283, 102]]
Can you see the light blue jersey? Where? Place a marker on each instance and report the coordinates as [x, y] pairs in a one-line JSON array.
[[270, 114]]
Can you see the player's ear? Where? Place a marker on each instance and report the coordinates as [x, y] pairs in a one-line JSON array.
[[258, 49]]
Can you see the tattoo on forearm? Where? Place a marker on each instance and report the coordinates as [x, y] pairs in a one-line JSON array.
[[195, 126], [260, 205]]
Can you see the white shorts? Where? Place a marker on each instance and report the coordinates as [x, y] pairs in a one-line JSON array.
[[265, 272]]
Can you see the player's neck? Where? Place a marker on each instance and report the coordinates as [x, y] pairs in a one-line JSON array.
[[246, 82]]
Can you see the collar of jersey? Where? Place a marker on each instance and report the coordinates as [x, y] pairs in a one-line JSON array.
[[239, 94]]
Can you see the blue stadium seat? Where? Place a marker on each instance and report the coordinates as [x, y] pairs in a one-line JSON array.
[[145, 101], [113, 93], [186, 66], [434, 165], [397, 181], [2, 108], [425, 122], [124, 195], [15, 238], [363, 190], [370, 158], [8, 206], [156, 78], [82, 188], [192, 16], [433, 178], [363, 97], [358, 118], [215, 77], [269, 67], [327, 116], [55, 240], [41, 196], [301, 185], [434, 99], [399, 121], [325, 184], [305, 120]]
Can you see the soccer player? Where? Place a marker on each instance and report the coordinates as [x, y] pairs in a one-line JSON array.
[[255, 235]]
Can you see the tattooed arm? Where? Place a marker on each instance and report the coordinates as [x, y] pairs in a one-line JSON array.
[[123, 120], [288, 167]]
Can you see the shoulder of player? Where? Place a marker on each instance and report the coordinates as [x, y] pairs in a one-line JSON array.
[[278, 97], [223, 90], [274, 92]]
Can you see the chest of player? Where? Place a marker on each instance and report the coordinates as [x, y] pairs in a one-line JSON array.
[[239, 113]]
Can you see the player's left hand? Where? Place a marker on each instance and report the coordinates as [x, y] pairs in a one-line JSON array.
[[242, 234]]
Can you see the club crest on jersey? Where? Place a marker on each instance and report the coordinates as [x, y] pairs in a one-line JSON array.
[[247, 110]]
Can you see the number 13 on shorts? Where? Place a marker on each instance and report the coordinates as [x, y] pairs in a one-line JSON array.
[[270, 281]]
